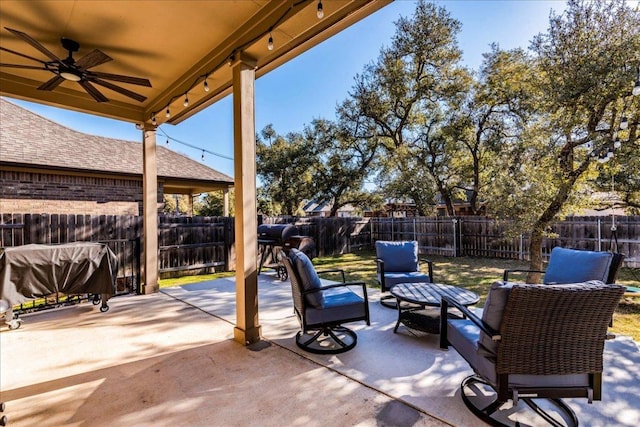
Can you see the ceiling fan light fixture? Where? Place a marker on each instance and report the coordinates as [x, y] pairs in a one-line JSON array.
[[70, 75]]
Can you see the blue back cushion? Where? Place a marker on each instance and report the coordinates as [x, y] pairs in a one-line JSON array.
[[398, 256], [492, 314], [573, 265], [308, 277]]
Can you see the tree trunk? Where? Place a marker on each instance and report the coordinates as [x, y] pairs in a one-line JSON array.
[[535, 254]]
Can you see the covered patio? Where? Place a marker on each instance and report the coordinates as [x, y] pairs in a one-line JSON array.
[[151, 63], [170, 359]]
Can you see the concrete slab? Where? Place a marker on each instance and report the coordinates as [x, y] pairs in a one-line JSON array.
[[169, 359], [409, 365], [156, 361]]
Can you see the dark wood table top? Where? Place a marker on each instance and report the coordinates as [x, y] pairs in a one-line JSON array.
[[431, 293]]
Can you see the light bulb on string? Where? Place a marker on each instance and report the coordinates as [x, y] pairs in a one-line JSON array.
[[617, 143], [153, 119], [270, 43], [186, 100], [636, 88], [168, 113], [320, 10], [167, 141], [624, 123], [206, 85], [202, 157]]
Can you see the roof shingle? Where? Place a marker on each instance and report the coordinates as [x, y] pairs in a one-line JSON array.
[[27, 138]]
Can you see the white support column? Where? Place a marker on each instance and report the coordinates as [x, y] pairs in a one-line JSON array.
[[247, 330], [150, 210]]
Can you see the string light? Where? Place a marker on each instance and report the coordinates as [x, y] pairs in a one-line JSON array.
[[202, 155], [231, 58], [167, 141], [636, 87], [320, 12]]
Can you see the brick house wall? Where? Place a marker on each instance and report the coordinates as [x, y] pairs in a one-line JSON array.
[[32, 192]]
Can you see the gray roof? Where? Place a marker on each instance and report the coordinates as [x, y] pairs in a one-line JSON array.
[[29, 139]]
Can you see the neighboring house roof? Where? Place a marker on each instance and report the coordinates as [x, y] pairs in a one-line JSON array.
[[312, 207], [30, 140]]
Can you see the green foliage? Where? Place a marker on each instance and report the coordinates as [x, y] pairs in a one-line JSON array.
[[520, 139], [581, 89], [212, 204], [284, 165], [180, 208], [345, 160]]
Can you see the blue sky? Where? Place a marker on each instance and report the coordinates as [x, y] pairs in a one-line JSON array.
[[311, 85]]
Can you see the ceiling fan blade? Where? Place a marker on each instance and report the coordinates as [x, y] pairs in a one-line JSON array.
[[92, 59], [121, 90], [28, 67], [124, 79], [22, 54], [51, 84], [33, 42], [95, 93]]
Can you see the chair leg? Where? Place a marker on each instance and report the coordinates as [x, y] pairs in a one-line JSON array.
[[482, 401], [389, 301], [328, 340]]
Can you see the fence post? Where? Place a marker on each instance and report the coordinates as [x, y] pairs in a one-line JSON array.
[[460, 246], [521, 254], [455, 249], [415, 234], [393, 237]]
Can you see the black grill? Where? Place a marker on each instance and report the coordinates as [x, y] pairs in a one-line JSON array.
[[273, 237]]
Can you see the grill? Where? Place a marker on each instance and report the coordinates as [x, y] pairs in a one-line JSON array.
[[273, 237]]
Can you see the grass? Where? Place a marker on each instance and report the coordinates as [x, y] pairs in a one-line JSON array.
[[475, 274]]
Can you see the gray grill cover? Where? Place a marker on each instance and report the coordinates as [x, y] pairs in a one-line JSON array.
[[35, 271]]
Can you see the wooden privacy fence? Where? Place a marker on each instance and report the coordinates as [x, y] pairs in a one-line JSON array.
[[186, 244], [120, 233], [191, 245], [469, 236], [195, 244], [332, 236], [484, 237]]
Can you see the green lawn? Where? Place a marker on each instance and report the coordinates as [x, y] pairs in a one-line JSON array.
[[475, 274]]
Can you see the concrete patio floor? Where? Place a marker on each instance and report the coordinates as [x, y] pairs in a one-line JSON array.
[[170, 359]]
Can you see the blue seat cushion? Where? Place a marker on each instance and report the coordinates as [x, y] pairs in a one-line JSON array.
[[398, 256], [308, 277], [339, 304], [392, 278], [573, 266], [463, 335]]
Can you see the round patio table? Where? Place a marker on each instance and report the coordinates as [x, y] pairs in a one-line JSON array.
[[417, 296]]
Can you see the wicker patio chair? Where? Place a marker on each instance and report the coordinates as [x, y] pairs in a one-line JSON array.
[[322, 309], [533, 343], [577, 265]]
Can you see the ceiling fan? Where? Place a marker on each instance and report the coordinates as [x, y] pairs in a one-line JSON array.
[[76, 70]]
